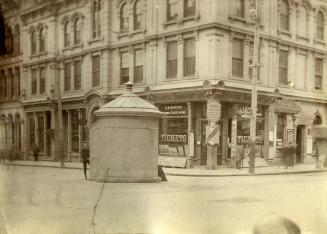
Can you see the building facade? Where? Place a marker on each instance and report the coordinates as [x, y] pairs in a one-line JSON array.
[[188, 57]]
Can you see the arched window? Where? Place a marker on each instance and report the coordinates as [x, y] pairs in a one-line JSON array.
[[303, 21], [77, 31], [317, 119], [284, 16], [33, 42], [66, 34], [9, 43], [41, 40], [320, 26], [138, 15], [124, 19], [96, 23], [17, 39]]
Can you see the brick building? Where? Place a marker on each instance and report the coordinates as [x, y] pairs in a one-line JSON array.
[[189, 57]]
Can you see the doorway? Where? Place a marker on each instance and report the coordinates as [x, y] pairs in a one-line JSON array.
[[299, 143]]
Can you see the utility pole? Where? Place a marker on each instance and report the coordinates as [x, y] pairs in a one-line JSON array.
[[254, 13]]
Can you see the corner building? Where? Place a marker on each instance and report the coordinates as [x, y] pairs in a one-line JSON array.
[[188, 57]]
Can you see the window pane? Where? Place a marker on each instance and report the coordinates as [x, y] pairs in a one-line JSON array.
[[189, 57], [138, 74], [42, 80], [320, 26], [139, 61], [189, 8], [138, 15], [124, 75], [96, 71], [283, 67], [41, 40], [67, 76], [124, 19], [33, 42], [12, 84], [66, 35], [237, 60], [77, 31], [77, 75], [171, 59], [34, 81], [172, 10], [284, 15], [239, 8]]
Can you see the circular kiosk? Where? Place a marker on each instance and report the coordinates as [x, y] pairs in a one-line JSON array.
[[124, 140]]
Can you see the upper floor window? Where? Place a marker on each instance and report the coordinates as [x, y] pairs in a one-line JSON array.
[[96, 71], [34, 81], [2, 77], [172, 59], [11, 83], [138, 15], [320, 26], [77, 74], [17, 81], [237, 59], [172, 9], [284, 20], [17, 39], [283, 67], [139, 63], [189, 8], [66, 34], [33, 42], [77, 31], [238, 8], [303, 21], [42, 80], [318, 73], [189, 57], [67, 76], [9, 40], [124, 67], [41, 40], [96, 22], [124, 24]]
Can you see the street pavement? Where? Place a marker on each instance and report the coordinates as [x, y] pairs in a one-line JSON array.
[[58, 201]]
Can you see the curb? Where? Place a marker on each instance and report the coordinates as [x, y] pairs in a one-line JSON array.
[[192, 175]]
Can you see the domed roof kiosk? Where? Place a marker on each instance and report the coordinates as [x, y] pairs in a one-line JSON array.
[[124, 140]]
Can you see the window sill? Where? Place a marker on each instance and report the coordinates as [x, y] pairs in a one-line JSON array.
[[306, 38], [318, 41], [94, 40], [192, 77], [127, 34], [286, 33]]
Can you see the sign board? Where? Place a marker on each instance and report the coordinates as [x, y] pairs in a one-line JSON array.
[[212, 135], [173, 138], [174, 109], [213, 110]]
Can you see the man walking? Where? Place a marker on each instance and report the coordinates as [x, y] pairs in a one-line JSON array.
[[85, 154]]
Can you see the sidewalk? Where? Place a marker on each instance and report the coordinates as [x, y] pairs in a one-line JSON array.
[[197, 172]]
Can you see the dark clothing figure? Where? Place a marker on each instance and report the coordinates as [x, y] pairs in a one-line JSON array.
[[2, 157], [36, 152], [289, 155], [85, 154]]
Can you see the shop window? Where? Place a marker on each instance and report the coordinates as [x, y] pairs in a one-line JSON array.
[[138, 70], [189, 57], [138, 15], [237, 60], [96, 71], [33, 81], [42, 80], [77, 75], [172, 59], [318, 73], [284, 20], [75, 131], [238, 8], [67, 76], [283, 67], [189, 8], [124, 24], [280, 129], [172, 9], [320, 28], [124, 68]]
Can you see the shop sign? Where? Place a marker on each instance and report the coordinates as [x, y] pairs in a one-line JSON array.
[[213, 110], [242, 140], [174, 110], [246, 111], [173, 138]]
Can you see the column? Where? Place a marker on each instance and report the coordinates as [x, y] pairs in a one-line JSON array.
[[212, 130], [234, 137], [190, 135], [69, 135], [180, 57]]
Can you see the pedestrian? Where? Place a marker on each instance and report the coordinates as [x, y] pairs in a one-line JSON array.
[[85, 154], [273, 224], [241, 155], [36, 152]]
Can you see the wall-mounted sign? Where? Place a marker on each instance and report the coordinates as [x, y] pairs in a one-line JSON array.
[[242, 140], [172, 138], [246, 111], [213, 110], [174, 109]]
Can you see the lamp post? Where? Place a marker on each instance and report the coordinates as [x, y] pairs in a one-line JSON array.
[[60, 143], [255, 16]]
